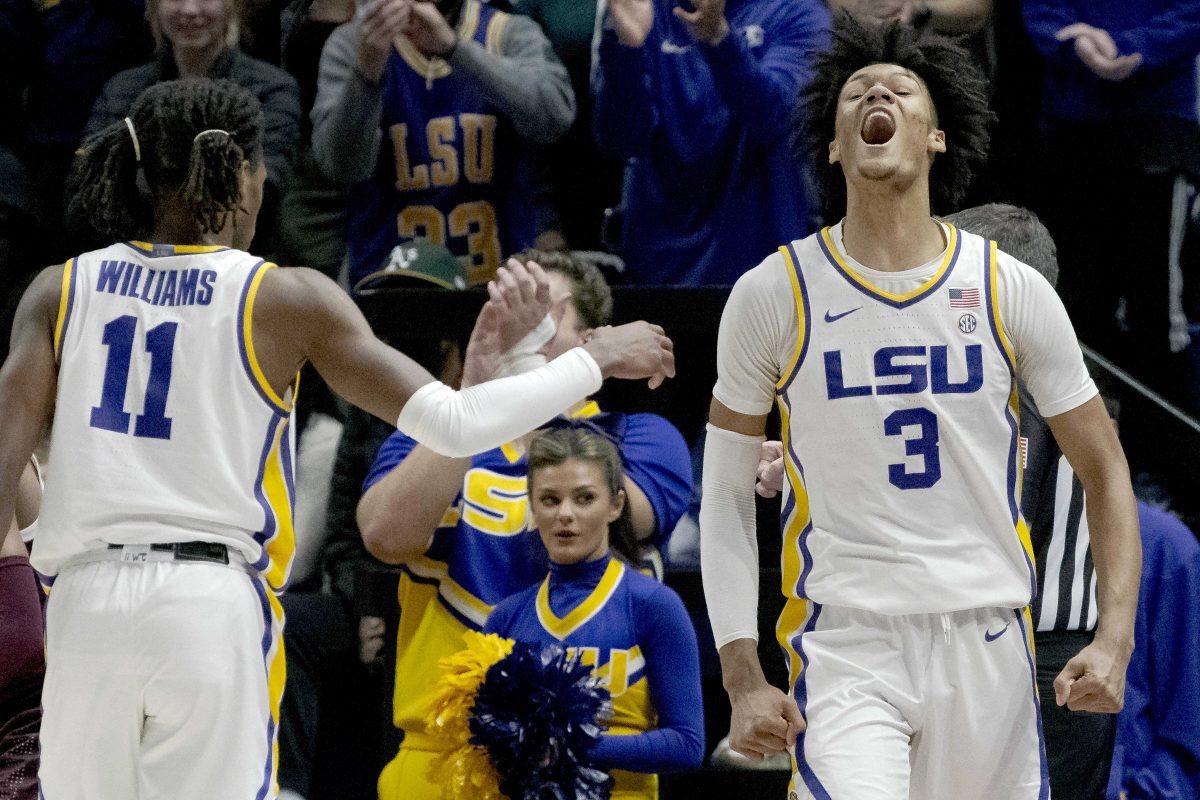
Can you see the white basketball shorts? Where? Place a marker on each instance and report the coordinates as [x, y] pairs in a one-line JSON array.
[[163, 681], [917, 707]]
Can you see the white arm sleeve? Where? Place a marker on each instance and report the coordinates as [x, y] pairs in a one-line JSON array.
[[758, 327], [1049, 361], [728, 537], [478, 419]]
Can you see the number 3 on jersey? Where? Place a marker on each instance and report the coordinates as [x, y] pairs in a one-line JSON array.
[[924, 444], [110, 415]]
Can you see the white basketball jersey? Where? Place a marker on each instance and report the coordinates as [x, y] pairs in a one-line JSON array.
[[899, 421], [165, 429]]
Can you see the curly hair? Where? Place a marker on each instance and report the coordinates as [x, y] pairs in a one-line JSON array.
[[202, 171], [956, 87]]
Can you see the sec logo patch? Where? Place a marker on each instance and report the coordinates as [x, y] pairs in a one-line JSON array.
[[967, 323]]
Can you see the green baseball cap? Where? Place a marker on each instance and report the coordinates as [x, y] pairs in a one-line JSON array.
[[416, 263]]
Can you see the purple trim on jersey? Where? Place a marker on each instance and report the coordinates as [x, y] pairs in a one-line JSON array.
[[894, 303], [241, 340], [801, 695], [808, 321], [802, 539], [1044, 791], [1013, 425], [169, 252], [269, 524], [268, 631]]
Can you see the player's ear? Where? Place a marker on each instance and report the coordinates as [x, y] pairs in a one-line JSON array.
[[835, 152], [936, 141]]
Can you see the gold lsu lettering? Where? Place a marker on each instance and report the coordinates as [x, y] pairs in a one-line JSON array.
[[474, 221], [614, 674]]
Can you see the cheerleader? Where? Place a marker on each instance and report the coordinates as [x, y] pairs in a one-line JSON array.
[[631, 629]]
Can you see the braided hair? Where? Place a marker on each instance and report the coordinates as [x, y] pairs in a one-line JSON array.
[[956, 87], [203, 172]]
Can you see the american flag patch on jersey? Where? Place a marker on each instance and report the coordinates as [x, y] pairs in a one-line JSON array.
[[964, 298]]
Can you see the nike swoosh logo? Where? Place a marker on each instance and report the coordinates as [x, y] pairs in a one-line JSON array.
[[835, 317], [988, 636]]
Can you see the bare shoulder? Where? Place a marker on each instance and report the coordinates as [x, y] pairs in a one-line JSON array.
[[297, 291], [42, 299]]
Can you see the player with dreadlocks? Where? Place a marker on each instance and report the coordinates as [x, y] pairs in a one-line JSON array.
[[892, 343], [170, 365]]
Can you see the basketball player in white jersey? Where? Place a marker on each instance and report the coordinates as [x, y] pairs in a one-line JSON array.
[[891, 343], [170, 367]]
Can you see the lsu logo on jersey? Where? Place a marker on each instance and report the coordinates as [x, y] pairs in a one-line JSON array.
[[918, 368], [615, 673], [495, 503], [462, 149]]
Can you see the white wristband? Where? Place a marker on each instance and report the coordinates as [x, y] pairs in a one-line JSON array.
[[524, 355], [483, 417]]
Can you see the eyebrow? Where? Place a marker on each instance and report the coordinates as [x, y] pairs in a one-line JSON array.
[[903, 73]]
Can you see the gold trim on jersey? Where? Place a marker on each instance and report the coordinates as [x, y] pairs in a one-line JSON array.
[[453, 593], [495, 32], [281, 547], [796, 610], [561, 628], [247, 335], [433, 67], [801, 317], [834, 253], [181, 249], [993, 270], [64, 306]]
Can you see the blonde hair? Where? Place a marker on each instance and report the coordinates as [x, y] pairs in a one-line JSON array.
[[233, 23]]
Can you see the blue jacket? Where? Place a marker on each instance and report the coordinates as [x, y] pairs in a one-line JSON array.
[[712, 188], [1165, 32], [1157, 753]]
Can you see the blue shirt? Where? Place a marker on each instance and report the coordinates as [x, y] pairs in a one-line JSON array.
[[1157, 752], [637, 634], [486, 543], [712, 188], [1165, 32]]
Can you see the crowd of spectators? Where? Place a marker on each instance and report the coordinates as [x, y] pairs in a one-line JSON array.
[[648, 141]]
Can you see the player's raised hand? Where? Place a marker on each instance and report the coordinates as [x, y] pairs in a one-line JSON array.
[[707, 23], [521, 295], [633, 20], [1094, 680], [770, 469], [764, 721], [380, 22], [636, 350], [429, 30], [484, 350]]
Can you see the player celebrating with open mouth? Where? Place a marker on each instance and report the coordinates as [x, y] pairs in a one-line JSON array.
[[892, 343]]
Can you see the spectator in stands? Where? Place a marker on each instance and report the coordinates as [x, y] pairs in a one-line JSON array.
[[312, 225], [1120, 125], [200, 37], [335, 617], [77, 45], [699, 102], [952, 17], [460, 527], [593, 600], [586, 181], [1158, 736], [431, 111], [22, 649]]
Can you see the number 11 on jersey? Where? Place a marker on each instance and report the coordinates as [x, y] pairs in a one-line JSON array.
[[110, 415]]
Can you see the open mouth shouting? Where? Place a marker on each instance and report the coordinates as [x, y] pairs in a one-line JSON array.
[[878, 127]]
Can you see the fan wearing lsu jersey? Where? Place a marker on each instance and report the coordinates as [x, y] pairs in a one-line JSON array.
[[892, 343], [633, 630], [431, 111], [460, 527], [166, 526]]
